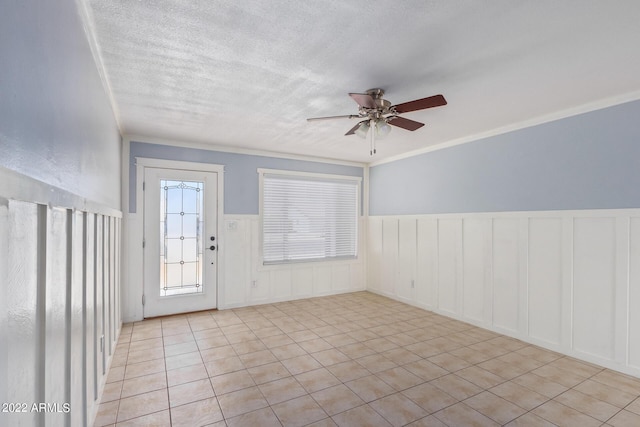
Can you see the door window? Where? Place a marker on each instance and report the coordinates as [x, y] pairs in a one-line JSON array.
[[181, 226]]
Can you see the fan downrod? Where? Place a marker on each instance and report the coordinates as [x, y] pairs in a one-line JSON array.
[[376, 93]]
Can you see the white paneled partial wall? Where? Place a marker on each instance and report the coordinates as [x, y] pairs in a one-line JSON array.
[[248, 282], [565, 280], [61, 313]]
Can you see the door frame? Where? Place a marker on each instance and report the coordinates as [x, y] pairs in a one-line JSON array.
[[146, 162]]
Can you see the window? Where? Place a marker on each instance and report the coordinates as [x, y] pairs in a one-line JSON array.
[[308, 217]]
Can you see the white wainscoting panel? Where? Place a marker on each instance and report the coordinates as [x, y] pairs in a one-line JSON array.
[[340, 278], [426, 290], [477, 268], [281, 285], [24, 382], [375, 257], [89, 277], [594, 286], [565, 280], [322, 280], [98, 301], [4, 315], [449, 264], [389, 256], [303, 278], [260, 291], [407, 233], [53, 300], [76, 359], [545, 279], [132, 266], [55, 317], [506, 274], [634, 293], [246, 281], [357, 274], [235, 289]]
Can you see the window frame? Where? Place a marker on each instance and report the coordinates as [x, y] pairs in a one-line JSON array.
[[316, 176]]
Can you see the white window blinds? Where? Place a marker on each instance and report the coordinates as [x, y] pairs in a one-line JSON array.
[[308, 218]]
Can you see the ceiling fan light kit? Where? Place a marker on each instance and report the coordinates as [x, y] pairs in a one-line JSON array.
[[378, 113], [363, 128], [382, 128]]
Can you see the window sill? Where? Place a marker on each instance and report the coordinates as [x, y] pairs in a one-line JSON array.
[[308, 263]]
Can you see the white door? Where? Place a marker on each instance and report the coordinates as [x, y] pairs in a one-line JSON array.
[[180, 241]]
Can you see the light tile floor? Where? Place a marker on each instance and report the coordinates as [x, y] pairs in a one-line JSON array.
[[350, 360]]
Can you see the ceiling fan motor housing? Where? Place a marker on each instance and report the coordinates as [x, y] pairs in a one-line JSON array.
[[382, 106]]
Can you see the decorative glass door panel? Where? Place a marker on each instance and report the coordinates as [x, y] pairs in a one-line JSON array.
[[181, 227], [180, 254]]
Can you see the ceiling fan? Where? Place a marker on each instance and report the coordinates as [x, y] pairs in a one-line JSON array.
[[378, 113]]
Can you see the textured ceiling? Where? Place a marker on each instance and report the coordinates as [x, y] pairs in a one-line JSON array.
[[247, 74]]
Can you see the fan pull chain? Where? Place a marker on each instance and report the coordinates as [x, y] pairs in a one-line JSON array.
[[372, 149]]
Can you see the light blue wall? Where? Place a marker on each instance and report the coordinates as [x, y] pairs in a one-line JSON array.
[[241, 192], [56, 122], [589, 161]]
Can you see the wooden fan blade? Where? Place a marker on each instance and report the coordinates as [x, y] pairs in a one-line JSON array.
[[349, 116], [403, 123], [364, 100], [353, 130], [420, 104]]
